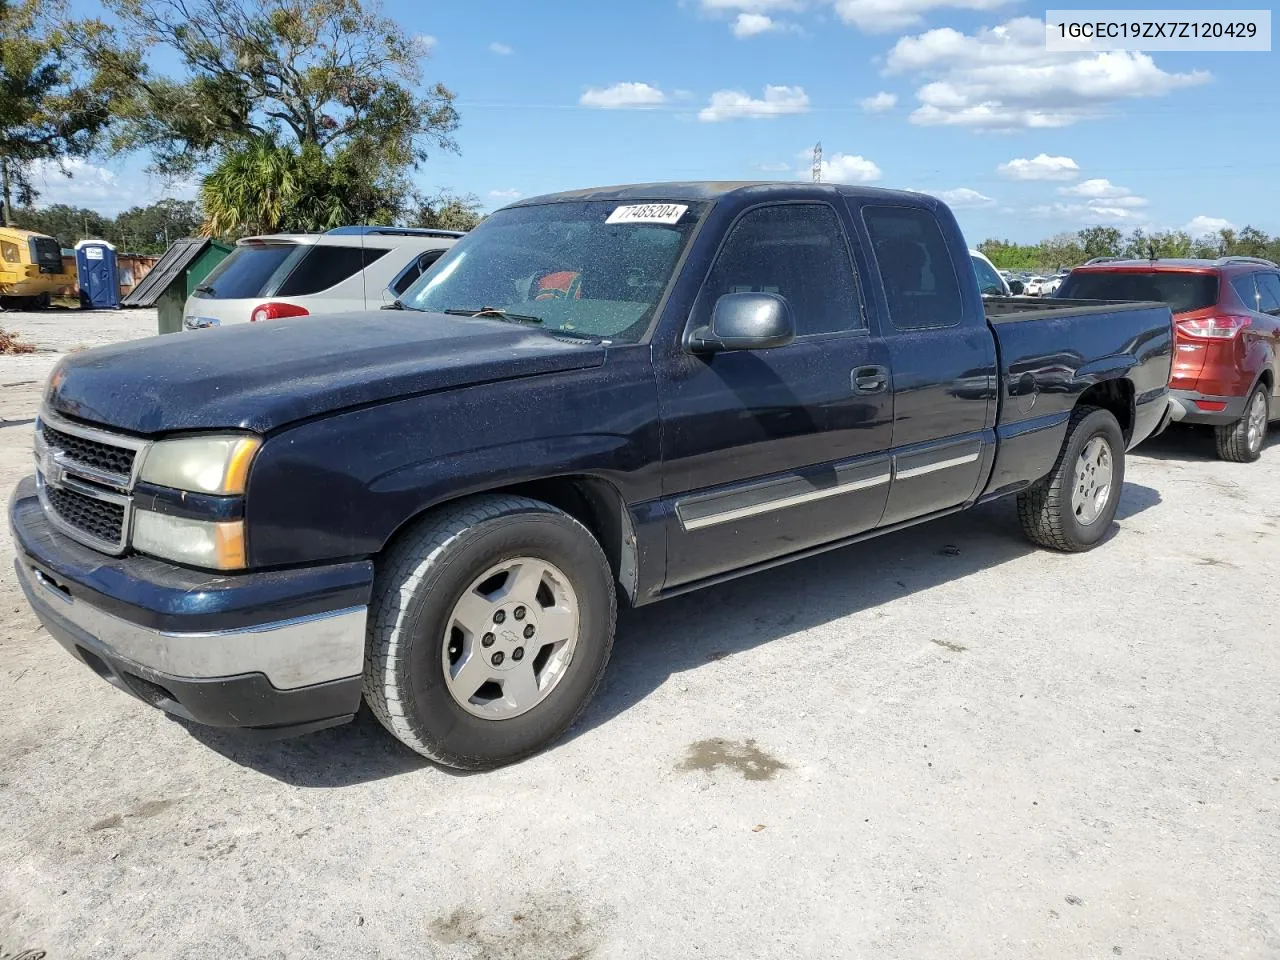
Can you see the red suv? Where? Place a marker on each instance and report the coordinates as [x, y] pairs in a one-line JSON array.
[[1227, 320]]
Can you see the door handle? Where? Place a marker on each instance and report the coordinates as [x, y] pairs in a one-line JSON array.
[[873, 379]]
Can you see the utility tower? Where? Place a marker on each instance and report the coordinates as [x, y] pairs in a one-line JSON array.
[[817, 162]]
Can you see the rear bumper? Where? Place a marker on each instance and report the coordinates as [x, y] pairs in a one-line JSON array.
[[281, 653], [1187, 410]]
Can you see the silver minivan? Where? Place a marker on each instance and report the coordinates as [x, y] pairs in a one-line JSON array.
[[293, 275]]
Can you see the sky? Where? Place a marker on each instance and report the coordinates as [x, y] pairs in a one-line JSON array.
[[956, 98]]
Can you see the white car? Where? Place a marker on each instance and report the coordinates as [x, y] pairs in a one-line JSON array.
[[1050, 286], [991, 282], [294, 275], [1035, 286]]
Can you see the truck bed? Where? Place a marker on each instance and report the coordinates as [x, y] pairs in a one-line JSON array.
[[1012, 309]]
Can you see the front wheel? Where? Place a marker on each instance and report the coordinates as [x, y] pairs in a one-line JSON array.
[[1072, 508], [490, 627], [1241, 442]]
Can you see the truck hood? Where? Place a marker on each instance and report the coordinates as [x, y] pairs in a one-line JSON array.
[[262, 376]]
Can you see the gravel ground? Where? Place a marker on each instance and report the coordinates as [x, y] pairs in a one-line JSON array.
[[943, 743]]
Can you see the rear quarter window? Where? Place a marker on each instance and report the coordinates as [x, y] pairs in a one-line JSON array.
[[1181, 290], [324, 266], [915, 267]]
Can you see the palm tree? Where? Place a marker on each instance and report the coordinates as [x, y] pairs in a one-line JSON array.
[[252, 190]]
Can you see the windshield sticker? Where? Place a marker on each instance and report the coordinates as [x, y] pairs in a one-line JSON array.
[[649, 213]]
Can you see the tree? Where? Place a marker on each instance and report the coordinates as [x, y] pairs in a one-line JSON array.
[[448, 211], [152, 228], [267, 188], [49, 109], [67, 224], [1100, 241], [1063, 250], [326, 74]]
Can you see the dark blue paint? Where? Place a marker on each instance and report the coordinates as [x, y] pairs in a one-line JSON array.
[[371, 419]]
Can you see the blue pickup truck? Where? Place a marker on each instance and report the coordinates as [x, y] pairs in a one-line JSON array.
[[629, 392]]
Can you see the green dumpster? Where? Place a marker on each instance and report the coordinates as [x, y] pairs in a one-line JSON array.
[[182, 268]]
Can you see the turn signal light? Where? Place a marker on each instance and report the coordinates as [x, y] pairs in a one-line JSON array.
[[1213, 328], [276, 311]]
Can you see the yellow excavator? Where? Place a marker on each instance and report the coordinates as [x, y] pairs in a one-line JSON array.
[[31, 269]]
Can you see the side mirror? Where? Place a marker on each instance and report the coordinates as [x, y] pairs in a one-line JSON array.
[[746, 321], [1017, 287]]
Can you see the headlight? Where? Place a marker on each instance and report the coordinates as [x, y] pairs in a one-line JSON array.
[[214, 545], [217, 465], [10, 252]]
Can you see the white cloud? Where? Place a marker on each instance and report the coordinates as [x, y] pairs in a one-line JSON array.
[[772, 167], [1040, 167], [623, 96], [501, 49], [103, 189], [1096, 201], [754, 24], [963, 197], [734, 104], [1002, 78], [1099, 188], [1089, 213], [76, 182], [504, 194], [879, 103], [839, 168], [877, 16], [423, 44], [1203, 226]]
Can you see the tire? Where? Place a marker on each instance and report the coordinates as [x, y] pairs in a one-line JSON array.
[[1237, 443], [415, 627], [1050, 515]]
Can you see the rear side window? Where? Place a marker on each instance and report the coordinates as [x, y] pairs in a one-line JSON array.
[[915, 266], [1246, 291], [1269, 293], [1181, 290], [245, 271], [325, 266], [797, 250]]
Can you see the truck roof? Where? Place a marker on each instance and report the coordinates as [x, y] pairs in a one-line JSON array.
[[716, 189]]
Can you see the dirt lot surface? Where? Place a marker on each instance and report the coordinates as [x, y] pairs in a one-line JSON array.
[[940, 744]]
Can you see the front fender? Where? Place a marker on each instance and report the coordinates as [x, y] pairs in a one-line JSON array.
[[341, 486]]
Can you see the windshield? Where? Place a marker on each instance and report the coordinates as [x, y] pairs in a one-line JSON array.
[[590, 267], [246, 271], [1181, 290]]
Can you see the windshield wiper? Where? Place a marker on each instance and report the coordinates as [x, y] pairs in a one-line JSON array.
[[496, 313], [400, 305], [204, 288]]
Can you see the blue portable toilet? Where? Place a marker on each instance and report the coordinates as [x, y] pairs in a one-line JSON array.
[[99, 275]]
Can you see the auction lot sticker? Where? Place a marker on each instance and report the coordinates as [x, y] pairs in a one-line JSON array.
[[1222, 30], [649, 213]]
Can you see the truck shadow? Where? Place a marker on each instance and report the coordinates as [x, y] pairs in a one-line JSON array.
[[657, 642]]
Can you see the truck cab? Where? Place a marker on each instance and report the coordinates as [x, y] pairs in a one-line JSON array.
[[31, 268]]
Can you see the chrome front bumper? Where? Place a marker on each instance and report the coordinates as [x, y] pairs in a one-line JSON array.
[[301, 652]]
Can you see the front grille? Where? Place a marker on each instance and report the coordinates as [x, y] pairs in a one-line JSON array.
[[94, 454], [99, 519]]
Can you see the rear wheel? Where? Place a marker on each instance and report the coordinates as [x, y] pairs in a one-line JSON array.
[[1241, 442], [1072, 508], [490, 628]]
